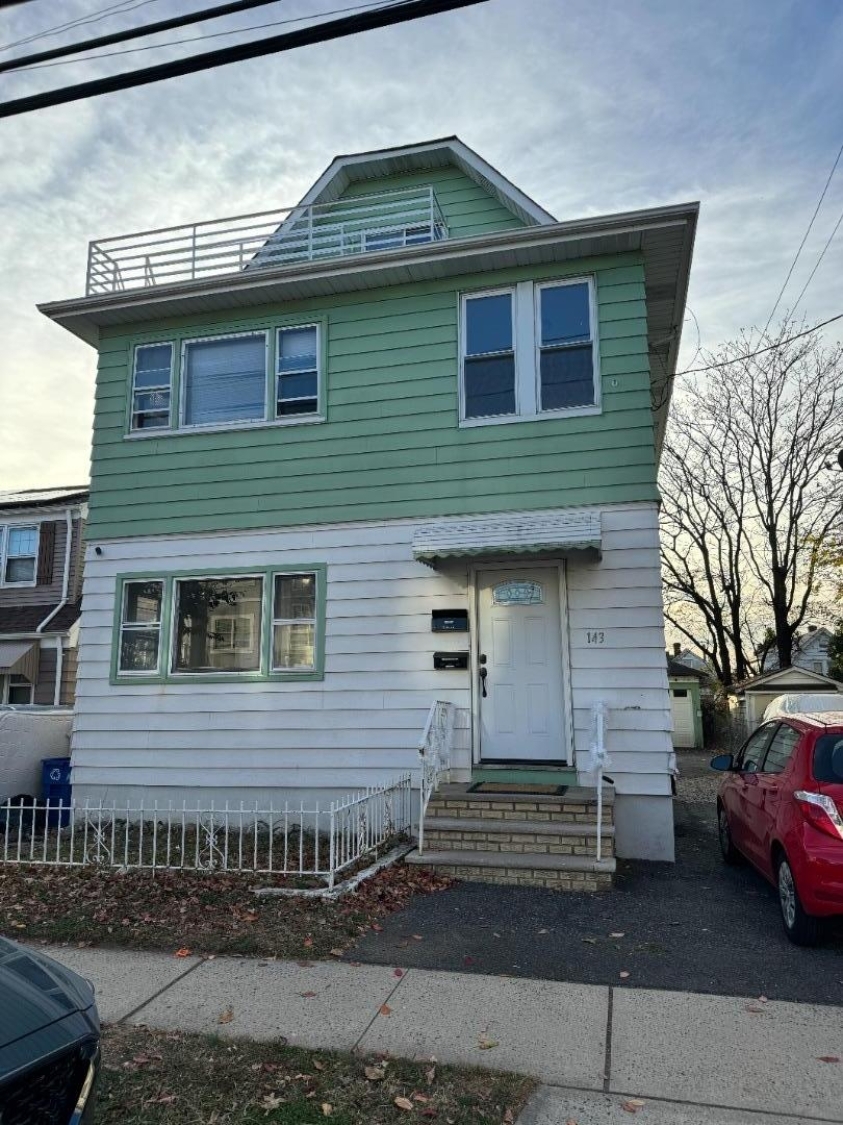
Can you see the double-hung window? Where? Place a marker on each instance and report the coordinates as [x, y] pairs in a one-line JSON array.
[[140, 627], [294, 622], [297, 376], [528, 351], [488, 355], [19, 551], [151, 382], [224, 380], [19, 691]]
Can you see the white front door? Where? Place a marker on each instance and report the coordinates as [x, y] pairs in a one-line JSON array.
[[520, 649]]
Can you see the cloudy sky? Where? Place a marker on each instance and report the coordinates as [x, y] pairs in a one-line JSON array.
[[591, 106]]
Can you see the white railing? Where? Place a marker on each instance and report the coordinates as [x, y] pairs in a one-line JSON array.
[[300, 840], [435, 748], [599, 759], [265, 239]]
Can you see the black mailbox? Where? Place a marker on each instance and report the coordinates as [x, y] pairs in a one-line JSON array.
[[450, 660], [449, 621]]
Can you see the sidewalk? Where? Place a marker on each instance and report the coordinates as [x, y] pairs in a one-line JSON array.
[[593, 1047]]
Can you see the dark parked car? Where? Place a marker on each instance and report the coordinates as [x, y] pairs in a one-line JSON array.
[[780, 806], [49, 1041]]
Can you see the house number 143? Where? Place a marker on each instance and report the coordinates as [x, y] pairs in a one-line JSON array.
[[595, 637]]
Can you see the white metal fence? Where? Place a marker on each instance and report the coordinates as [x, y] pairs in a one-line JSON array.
[[385, 221], [435, 748], [318, 841]]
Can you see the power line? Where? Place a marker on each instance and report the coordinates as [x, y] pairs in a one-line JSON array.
[[384, 16], [802, 243], [135, 32], [93, 17], [819, 260], [769, 348], [202, 38]]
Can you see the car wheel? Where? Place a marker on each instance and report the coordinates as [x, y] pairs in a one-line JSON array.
[[801, 928], [730, 853]]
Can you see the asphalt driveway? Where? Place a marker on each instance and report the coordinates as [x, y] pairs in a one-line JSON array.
[[695, 925]]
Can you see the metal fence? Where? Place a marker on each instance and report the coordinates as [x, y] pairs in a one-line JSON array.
[[435, 748], [287, 236], [317, 841]]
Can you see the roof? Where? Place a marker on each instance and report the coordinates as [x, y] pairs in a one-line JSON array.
[[509, 534], [437, 153], [676, 670], [44, 497], [791, 679], [27, 618]]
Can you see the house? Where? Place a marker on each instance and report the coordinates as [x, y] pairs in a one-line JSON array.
[[810, 651], [685, 684], [394, 445], [40, 588], [691, 659], [752, 697]]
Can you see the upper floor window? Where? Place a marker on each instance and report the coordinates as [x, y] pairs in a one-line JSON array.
[[18, 554], [151, 382], [16, 690], [529, 351], [224, 380], [297, 377]]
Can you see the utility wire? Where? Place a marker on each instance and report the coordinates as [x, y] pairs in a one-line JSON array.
[[819, 260], [208, 35], [93, 17], [802, 244], [760, 351], [134, 33], [287, 41]]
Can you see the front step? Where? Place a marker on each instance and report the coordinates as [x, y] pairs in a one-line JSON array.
[[533, 839]]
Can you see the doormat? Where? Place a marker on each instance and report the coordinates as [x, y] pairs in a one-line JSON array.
[[510, 787]]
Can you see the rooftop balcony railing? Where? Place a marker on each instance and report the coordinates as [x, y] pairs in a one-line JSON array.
[[265, 240]]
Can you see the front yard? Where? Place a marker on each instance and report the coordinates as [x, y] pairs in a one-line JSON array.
[[180, 1079], [203, 913]]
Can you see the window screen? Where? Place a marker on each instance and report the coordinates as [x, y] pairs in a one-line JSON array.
[[151, 386], [140, 627], [294, 622], [225, 380], [566, 362], [297, 380]]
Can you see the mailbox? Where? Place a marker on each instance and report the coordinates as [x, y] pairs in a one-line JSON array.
[[448, 661], [449, 621]]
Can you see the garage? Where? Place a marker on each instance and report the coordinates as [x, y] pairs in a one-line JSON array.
[[682, 710]]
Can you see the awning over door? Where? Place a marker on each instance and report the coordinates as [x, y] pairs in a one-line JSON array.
[[19, 658], [524, 534]]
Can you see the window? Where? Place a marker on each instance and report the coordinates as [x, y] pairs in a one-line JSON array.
[[294, 622], [402, 236], [566, 360], [529, 351], [680, 693], [297, 377], [20, 554], [151, 387], [140, 627], [19, 691], [224, 380], [488, 355], [828, 759], [753, 752], [781, 749], [210, 611]]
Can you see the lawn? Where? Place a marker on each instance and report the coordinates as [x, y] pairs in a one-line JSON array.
[[179, 1079], [201, 912]]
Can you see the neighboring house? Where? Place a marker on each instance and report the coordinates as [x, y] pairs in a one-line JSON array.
[[397, 445], [692, 659], [40, 589], [685, 685], [810, 651], [752, 697]]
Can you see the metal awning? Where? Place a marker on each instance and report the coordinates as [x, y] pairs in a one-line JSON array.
[[19, 658], [524, 534]]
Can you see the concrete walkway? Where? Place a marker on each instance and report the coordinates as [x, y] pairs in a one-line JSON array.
[[690, 1058]]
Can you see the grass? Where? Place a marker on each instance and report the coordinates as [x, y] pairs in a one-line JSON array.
[[205, 913], [180, 1079]]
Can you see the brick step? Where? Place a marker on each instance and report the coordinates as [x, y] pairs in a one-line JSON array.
[[533, 837], [559, 872], [535, 827], [502, 809]]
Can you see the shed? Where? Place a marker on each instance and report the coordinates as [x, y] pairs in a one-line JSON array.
[[685, 706]]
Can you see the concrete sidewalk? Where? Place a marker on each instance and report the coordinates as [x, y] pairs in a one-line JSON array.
[[691, 1058]]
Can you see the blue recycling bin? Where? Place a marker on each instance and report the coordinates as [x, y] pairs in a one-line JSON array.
[[55, 787]]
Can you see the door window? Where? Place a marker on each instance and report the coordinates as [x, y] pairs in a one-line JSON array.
[[781, 749], [752, 754]]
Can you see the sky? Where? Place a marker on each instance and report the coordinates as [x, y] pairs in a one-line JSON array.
[[590, 106]]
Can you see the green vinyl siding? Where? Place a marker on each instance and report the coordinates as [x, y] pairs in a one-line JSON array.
[[468, 209], [391, 445]]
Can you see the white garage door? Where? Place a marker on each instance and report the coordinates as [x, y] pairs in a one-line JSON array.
[[683, 718]]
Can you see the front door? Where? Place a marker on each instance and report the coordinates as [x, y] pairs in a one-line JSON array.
[[520, 666]]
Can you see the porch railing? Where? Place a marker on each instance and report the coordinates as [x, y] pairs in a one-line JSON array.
[[265, 239], [315, 840], [435, 747]]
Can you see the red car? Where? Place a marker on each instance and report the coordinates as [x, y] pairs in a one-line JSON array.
[[780, 806]]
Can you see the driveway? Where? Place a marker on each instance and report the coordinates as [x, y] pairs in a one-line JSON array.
[[695, 925]]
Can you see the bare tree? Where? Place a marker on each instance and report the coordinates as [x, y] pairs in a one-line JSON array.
[[750, 503]]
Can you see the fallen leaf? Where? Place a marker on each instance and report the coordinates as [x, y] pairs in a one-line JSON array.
[[378, 929], [416, 937], [420, 1098], [307, 995], [632, 1105], [590, 940], [762, 999], [183, 952], [337, 952], [508, 1118], [317, 1065], [828, 1058], [271, 1101], [404, 1103], [542, 931], [486, 1044], [430, 1076], [398, 972], [468, 960], [308, 942], [327, 1109], [374, 1073], [754, 1008], [227, 1016], [623, 975], [617, 935], [385, 1010]]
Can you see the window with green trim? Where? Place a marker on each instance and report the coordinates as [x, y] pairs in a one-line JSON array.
[[151, 384], [217, 625], [140, 628]]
